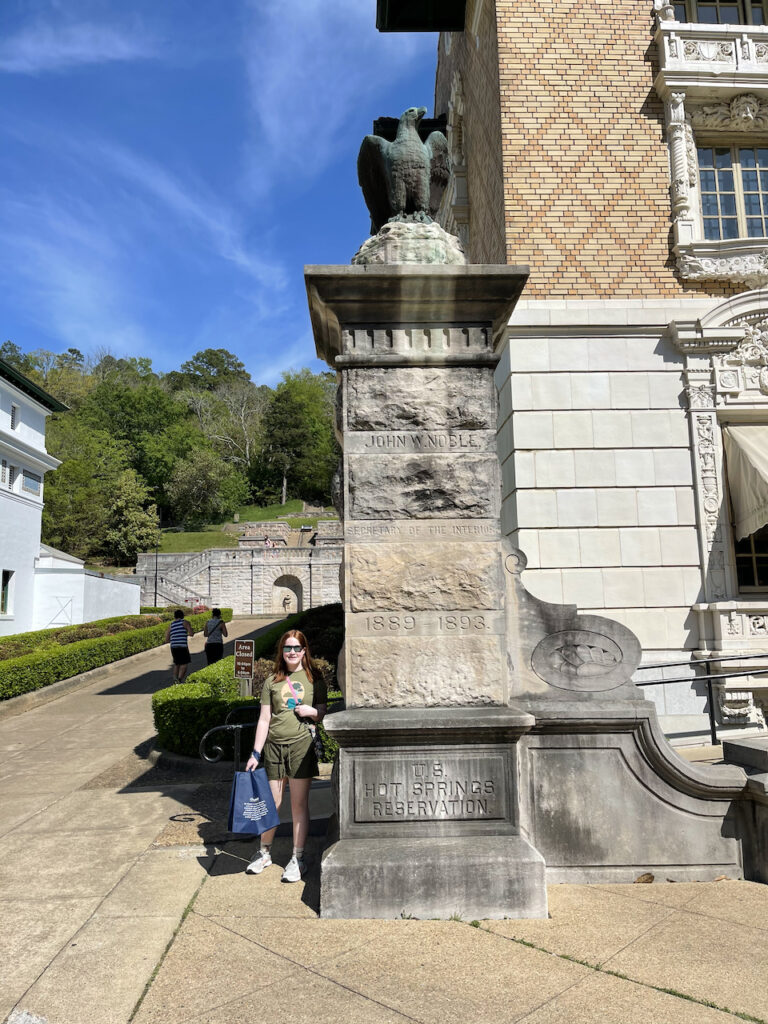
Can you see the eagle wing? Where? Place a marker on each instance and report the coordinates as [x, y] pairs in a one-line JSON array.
[[439, 168], [374, 179]]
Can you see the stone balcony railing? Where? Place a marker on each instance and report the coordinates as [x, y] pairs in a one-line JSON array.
[[698, 57]]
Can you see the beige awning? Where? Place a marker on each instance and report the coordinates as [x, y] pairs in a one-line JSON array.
[[746, 454]]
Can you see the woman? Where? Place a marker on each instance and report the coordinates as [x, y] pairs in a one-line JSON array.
[[215, 631], [177, 635], [292, 697]]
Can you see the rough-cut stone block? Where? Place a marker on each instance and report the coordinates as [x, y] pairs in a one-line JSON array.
[[411, 672], [420, 487], [424, 576], [407, 242], [399, 398]]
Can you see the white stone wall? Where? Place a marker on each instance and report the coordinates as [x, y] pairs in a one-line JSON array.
[[251, 581], [21, 510], [30, 428], [19, 546], [60, 596], [105, 596], [597, 471]]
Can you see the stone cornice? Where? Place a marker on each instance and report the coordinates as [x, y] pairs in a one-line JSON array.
[[690, 337]]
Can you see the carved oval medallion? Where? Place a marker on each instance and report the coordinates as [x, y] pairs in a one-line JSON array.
[[579, 659]]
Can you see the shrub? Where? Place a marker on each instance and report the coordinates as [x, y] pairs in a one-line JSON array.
[[185, 712], [51, 663]]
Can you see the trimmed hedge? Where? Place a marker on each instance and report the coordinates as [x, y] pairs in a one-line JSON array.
[[58, 636], [184, 712], [40, 668]]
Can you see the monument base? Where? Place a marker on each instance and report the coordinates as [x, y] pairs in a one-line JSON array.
[[476, 877]]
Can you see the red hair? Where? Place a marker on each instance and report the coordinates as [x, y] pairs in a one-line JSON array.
[[306, 661]]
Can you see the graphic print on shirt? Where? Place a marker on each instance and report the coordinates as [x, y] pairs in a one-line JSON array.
[[291, 700]]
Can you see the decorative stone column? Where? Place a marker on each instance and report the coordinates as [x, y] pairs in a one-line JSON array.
[[428, 820]]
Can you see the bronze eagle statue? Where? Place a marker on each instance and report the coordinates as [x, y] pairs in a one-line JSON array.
[[403, 179]]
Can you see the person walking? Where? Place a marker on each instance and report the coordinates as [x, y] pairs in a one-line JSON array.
[[178, 634], [215, 631], [292, 697]]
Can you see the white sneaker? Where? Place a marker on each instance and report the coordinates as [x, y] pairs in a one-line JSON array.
[[262, 860], [294, 869]]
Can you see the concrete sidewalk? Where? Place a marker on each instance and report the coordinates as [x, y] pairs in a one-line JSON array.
[[88, 901], [123, 899]]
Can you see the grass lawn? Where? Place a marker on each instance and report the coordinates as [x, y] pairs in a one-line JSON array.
[[211, 537], [260, 514], [214, 537]]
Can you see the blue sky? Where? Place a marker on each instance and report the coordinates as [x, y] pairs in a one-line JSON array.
[[167, 168]]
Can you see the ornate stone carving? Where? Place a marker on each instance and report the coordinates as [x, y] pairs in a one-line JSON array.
[[744, 113], [733, 625], [739, 706], [678, 133], [758, 625], [663, 10], [749, 268], [701, 396], [745, 368], [710, 499], [708, 50], [579, 659]]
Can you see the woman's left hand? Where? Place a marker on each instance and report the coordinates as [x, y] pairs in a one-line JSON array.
[[305, 711]]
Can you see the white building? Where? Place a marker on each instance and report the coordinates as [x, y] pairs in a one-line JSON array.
[[40, 586]]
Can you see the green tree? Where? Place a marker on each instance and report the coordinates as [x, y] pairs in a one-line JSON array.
[[155, 455], [132, 520], [204, 489], [12, 354], [79, 493], [208, 370], [299, 442], [127, 412], [232, 419]]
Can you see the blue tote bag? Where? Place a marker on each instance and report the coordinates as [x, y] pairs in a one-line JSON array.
[[251, 806]]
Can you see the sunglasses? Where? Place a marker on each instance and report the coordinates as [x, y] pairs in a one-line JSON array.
[[292, 650]]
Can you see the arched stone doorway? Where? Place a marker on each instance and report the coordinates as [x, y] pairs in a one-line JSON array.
[[287, 595]]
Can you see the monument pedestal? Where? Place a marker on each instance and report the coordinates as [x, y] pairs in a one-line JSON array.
[[428, 819]]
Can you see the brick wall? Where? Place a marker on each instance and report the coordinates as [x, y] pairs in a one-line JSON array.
[[482, 131], [585, 184]]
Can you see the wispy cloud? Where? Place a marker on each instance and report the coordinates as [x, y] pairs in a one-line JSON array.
[[307, 84], [192, 204], [43, 47], [64, 271]]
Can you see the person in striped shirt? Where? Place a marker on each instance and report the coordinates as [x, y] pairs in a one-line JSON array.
[[177, 635]]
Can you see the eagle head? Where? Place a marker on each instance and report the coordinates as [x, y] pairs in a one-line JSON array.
[[414, 114]]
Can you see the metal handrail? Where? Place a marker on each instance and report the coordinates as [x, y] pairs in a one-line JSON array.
[[217, 750], [708, 677], [703, 661]]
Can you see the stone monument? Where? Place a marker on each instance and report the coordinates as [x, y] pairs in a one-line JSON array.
[[490, 741]]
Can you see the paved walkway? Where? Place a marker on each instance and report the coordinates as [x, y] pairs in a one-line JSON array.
[[122, 900]]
